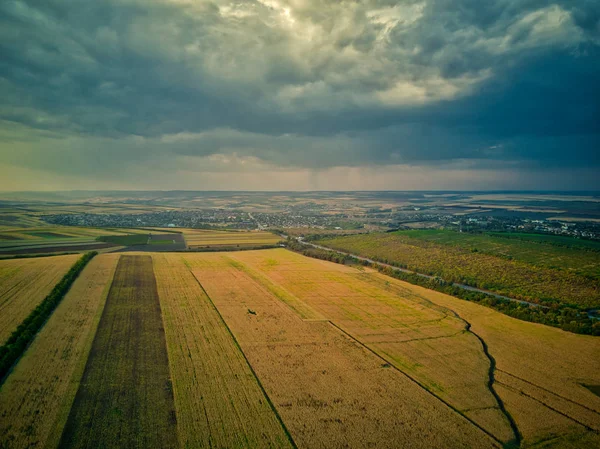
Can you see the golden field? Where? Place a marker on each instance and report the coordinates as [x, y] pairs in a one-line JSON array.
[[329, 389], [24, 283], [209, 372], [36, 397], [380, 312], [273, 349]]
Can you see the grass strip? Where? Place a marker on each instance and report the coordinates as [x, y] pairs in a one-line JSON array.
[[20, 339]]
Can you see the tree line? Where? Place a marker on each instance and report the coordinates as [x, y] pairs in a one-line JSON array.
[[20, 339]]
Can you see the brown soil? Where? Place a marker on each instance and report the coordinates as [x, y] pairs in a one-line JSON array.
[[125, 397]]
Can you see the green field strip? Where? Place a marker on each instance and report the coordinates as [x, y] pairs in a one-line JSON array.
[[126, 240], [45, 243], [125, 397]]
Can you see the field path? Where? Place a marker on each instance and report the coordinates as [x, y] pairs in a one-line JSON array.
[[491, 379], [125, 397]]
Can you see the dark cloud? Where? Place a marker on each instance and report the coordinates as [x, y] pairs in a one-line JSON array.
[[302, 83]]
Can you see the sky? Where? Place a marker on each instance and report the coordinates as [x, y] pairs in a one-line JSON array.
[[300, 95]]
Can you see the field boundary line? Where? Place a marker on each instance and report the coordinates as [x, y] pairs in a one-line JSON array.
[[379, 356], [551, 392], [492, 363], [521, 392], [492, 379], [237, 344]]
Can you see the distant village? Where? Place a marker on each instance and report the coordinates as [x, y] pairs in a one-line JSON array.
[[217, 218], [323, 219]]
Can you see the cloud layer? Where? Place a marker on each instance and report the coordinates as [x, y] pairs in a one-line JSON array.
[[104, 90]]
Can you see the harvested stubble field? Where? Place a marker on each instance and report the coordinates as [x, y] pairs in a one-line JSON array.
[[514, 278], [125, 397], [36, 398], [24, 283], [210, 375], [329, 389]]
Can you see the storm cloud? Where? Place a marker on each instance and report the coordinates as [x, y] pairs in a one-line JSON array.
[[103, 90]]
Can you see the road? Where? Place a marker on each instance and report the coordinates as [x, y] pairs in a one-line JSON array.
[[258, 225]]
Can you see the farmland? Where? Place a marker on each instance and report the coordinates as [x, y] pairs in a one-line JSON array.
[[148, 241], [126, 379], [54, 239], [36, 398], [209, 372], [528, 276], [198, 238], [444, 364], [561, 253], [48, 240], [126, 240], [331, 391], [24, 283], [272, 349], [62, 232]]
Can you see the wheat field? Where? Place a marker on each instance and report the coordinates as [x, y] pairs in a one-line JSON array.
[[210, 375], [24, 283], [36, 397], [329, 389]]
